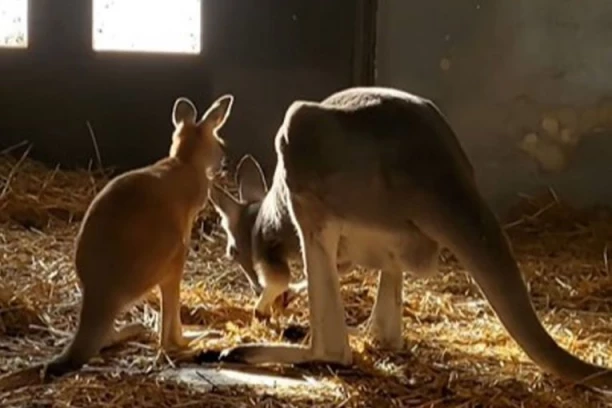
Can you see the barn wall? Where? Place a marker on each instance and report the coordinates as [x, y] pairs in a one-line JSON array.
[[524, 83], [266, 53], [273, 53], [51, 90]]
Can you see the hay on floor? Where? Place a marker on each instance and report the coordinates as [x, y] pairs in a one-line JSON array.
[[457, 353]]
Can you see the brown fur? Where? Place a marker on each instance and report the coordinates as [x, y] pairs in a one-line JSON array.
[[135, 236], [370, 169]]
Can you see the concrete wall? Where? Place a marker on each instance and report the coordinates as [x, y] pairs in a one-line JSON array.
[[525, 84]]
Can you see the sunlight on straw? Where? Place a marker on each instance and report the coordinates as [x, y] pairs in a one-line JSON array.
[[456, 351]]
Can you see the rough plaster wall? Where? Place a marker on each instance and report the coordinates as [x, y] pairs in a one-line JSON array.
[[524, 84]]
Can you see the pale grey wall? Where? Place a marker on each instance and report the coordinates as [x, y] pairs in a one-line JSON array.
[[509, 65]]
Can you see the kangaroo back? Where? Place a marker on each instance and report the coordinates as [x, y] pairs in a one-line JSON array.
[[399, 151]]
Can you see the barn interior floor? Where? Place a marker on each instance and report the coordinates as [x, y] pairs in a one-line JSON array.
[[456, 355]]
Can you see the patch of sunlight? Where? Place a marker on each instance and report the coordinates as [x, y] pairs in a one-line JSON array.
[[208, 378]]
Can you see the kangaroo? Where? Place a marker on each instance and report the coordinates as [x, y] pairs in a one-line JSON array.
[[238, 219], [135, 236], [268, 245], [368, 161]]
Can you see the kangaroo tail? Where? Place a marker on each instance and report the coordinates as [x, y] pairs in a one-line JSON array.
[[473, 233]]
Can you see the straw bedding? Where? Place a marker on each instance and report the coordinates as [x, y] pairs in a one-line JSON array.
[[457, 354]]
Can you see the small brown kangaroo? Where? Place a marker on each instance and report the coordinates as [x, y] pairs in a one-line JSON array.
[[135, 235], [368, 162], [264, 245]]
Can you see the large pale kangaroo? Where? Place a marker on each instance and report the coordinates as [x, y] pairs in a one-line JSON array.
[[135, 235], [371, 161], [263, 245]]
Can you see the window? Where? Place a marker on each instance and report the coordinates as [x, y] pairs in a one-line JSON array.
[[163, 26], [14, 23]]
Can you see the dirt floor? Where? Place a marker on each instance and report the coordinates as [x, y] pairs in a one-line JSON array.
[[456, 355]]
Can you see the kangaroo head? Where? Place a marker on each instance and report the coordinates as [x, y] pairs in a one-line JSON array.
[[198, 142], [238, 216]]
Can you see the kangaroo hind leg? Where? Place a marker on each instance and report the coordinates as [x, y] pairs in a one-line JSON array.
[[329, 335]]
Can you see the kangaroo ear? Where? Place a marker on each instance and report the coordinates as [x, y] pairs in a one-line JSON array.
[[225, 204], [183, 111], [250, 179], [219, 111]]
